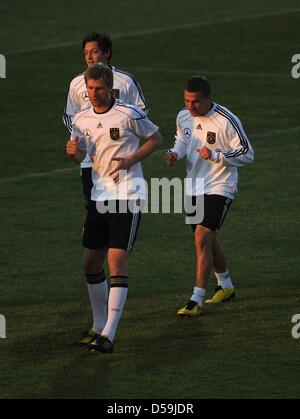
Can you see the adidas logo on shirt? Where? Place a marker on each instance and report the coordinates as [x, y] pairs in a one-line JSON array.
[[99, 125], [199, 126]]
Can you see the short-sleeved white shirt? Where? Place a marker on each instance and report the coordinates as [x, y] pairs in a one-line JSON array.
[[115, 133]]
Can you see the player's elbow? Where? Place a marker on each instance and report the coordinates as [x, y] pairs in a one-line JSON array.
[[159, 139], [250, 156]]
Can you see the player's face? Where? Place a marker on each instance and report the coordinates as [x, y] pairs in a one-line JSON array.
[[94, 55], [196, 103], [98, 92]]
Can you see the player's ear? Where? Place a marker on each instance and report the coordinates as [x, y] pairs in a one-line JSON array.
[[108, 54]]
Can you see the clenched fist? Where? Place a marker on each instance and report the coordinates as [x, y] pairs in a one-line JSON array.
[[123, 164], [72, 146]]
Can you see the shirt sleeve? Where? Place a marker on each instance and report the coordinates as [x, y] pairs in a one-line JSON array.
[[136, 97], [143, 127], [239, 151], [71, 109], [180, 146]]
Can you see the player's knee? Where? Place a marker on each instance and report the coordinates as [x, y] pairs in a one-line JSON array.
[[118, 268], [204, 237], [118, 264], [91, 264]]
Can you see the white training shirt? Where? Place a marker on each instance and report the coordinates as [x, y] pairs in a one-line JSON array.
[[115, 133], [125, 88], [222, 132]]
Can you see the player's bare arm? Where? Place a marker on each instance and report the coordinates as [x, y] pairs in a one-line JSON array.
[[72, 150], [152, 144]]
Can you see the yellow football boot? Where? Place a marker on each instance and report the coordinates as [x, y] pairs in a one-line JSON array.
[[221, 295], [192, 309]]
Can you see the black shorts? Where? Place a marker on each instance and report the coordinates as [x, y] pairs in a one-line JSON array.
[[112, 230], [87, 184], [215, 210]]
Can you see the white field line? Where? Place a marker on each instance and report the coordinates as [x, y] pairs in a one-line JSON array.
[[163, 29], [274, 132], [38, 175], [206, 71], [72, 169], [185, 71]]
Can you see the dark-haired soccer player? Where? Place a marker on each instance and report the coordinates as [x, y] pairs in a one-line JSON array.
[[110, 131], [97, 48], [215, 144]]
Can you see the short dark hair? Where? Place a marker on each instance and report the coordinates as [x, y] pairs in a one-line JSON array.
[[104, 42], [198, 84], [100, 71]]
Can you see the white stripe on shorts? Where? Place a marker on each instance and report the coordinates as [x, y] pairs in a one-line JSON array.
[[135, 220], [224, 212]]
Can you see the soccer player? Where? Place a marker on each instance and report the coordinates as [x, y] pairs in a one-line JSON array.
[[97, 48], [110, 131], [215, 145]]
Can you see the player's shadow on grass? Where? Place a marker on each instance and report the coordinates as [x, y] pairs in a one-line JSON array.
[[145, 351], [153, 345]]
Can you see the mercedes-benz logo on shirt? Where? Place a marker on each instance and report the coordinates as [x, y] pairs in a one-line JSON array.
[[187, 133], [87, 134], [85, 96]]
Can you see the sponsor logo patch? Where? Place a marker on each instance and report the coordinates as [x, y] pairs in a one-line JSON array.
[[187, 132], [85, 97]]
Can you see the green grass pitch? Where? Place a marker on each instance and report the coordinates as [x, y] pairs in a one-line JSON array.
[[240, 350]]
